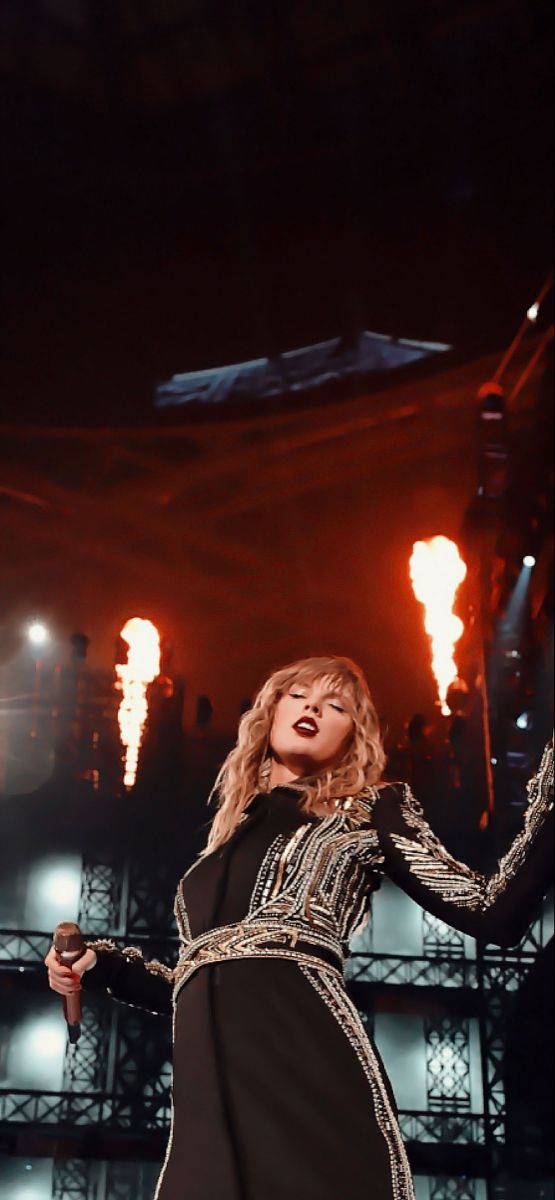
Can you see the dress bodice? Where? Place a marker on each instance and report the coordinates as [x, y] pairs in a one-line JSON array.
[[284, 863]]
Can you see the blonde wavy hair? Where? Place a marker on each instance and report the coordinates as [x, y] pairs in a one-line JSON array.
[[246, 770]]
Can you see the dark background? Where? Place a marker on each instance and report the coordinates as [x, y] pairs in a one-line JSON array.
[[188, 184]]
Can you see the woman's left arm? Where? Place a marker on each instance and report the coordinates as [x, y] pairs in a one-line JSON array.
[[496, 908]]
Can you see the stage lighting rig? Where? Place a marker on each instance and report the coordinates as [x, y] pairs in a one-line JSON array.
[[493, 442]]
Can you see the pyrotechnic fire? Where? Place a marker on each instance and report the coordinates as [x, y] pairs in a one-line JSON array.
[[437, 571], [133, 677]]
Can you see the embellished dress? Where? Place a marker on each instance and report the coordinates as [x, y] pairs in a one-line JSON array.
[[278, 1093]]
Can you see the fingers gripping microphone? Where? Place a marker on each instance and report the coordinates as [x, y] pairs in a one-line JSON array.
[[69, 946]]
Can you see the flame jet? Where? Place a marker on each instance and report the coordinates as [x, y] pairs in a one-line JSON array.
[[133, 678], [437, 570]]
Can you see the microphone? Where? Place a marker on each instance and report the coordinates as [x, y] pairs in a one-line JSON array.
[[69, 945]]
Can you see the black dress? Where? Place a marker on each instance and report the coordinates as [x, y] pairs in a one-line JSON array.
[[278, 1094]]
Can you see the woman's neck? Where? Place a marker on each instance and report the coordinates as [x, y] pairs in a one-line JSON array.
[[281, 774]]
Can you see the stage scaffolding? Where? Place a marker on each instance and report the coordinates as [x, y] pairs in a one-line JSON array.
[[113, 1105]]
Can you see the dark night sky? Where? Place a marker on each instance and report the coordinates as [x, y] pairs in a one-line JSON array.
[[233, 179]]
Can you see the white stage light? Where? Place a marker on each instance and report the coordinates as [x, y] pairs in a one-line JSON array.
[[533, 311], [61, 885], [529, 560], [36, 1049], [55, 885], [38, 634], [524, 721], [45, 1039], [54, 891]]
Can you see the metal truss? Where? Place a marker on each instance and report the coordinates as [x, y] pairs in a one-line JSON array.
[[151, 1112], [499, 979], [460, 1188], [28, 948], [104, 892], [89, 1064], [23, 948], [451, 1128], [412, 970], [87, 1179], [151, 896], [129, 1181], [448, 1064], [439, 938], [64, 1111], [74, 1179], [142, 1066]]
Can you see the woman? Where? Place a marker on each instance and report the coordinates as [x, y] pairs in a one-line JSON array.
[[277, 1091]]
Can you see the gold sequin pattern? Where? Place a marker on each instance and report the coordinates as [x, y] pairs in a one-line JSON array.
[[255, 939], [132, 953]]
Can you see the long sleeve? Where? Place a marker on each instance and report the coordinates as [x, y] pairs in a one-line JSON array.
[[127, 976], [497, 908]]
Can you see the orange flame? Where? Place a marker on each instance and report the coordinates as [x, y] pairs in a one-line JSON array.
[[133, 677], [437, 571]]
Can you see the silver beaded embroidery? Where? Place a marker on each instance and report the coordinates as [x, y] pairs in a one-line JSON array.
[[333, 994], [132, 953], [455, 882], [315, 881]]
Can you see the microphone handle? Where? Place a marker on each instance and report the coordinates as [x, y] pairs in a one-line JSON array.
[[70, 946], [72, 1003]]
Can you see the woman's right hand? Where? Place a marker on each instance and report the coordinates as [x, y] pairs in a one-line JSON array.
[[66, 980]]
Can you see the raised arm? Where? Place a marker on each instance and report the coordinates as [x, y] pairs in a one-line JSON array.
[[124, 974], [497, 908]]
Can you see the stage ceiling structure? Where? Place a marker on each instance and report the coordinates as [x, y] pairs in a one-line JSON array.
[[250, 540]]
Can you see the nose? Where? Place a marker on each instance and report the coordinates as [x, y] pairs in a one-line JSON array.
[[313, 706]]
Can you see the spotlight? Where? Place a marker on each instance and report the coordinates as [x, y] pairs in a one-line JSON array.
[[524, 721], [38, 634], [44, 1039], [529, 561], [533, 312], [54, 889]]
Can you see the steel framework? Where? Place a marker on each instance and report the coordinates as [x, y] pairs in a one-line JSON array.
[[117, 1078]]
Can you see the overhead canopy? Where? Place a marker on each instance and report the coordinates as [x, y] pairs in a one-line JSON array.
[[300, 370]]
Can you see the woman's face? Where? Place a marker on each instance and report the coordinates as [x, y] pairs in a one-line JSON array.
[[312, 727]]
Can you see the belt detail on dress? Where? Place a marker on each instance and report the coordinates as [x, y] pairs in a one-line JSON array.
[[248, 939]]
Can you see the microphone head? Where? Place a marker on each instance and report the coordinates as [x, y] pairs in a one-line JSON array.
[[68, 938]]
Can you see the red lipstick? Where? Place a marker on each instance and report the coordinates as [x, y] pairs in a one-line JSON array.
[[306, 727]]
